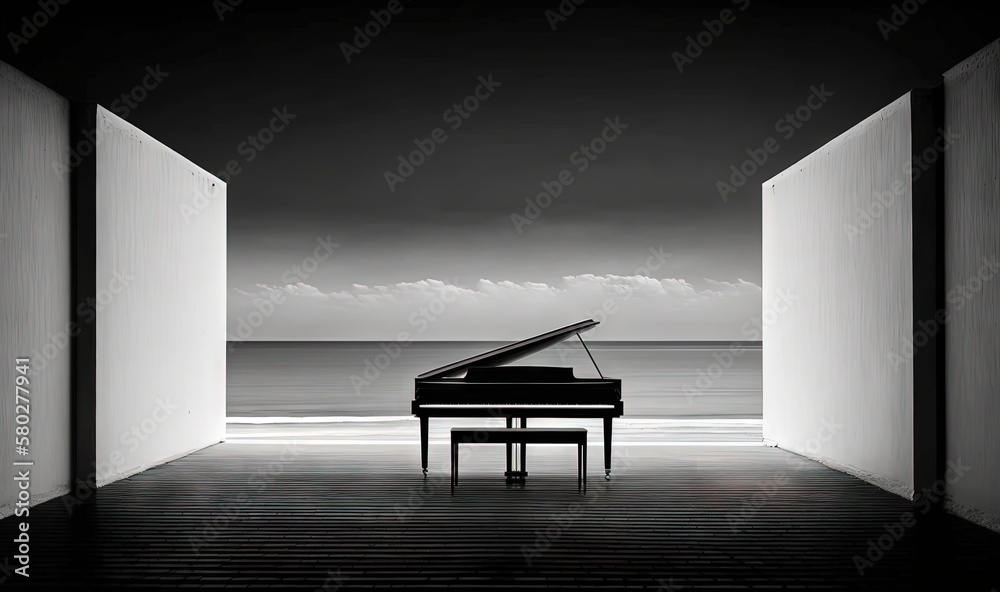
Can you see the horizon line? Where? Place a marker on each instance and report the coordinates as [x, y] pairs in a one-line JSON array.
[[682, 341]]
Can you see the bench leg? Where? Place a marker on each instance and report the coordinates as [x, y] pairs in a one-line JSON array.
[[454, 466], [524, 452], [579, 466], [585, 467], [517, 476], [508, 474]]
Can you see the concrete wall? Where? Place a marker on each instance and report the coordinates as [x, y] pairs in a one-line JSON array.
[[34, 281], [972, 235], [161, 350], [842, 257]]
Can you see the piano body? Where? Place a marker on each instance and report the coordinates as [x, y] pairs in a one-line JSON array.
[[483, 386]]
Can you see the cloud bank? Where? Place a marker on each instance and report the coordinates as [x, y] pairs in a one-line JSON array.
[[630, 307]]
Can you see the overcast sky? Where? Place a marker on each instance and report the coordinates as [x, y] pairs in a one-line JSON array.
[[639, 226]]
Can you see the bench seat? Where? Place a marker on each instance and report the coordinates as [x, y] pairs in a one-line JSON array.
[[482, 435]]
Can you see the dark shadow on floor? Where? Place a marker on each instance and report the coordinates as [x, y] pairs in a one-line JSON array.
[[347, 517]]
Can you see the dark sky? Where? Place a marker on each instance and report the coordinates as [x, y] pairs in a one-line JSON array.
[[445, 235]]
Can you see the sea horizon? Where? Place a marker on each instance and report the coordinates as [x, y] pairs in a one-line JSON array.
[[705, 342], [679, 379]]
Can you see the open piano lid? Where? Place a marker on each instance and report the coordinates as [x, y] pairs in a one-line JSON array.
[[512, 352]]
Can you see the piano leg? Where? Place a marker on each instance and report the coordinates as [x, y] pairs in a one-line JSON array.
[[607, 448], [423, 445], [516, 476]]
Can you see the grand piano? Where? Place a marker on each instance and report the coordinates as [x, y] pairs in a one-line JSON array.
[[484, 386]]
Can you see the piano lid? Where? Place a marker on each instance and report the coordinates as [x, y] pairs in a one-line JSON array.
[[512, 352]]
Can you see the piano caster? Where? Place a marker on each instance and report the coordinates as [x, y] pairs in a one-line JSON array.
[[607, 474], [425, 473]]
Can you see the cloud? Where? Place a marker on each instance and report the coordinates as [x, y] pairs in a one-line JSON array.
[[508, 289], [634, 306], [670, 289], [732, 290]]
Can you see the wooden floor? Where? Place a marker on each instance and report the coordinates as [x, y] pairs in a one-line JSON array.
[[329, 517]]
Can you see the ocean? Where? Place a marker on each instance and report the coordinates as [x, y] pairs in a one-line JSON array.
[[361, 379], [342, 393]]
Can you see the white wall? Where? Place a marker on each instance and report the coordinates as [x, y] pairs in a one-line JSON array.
[[161, 350], [826, 358], [972, 232], [34, 281]]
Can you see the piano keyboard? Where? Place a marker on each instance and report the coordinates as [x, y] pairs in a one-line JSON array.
[[514, 405]]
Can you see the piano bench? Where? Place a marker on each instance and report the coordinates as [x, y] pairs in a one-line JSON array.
[[522, 436]]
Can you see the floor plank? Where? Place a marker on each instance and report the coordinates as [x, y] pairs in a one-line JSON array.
[[321, 517]]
